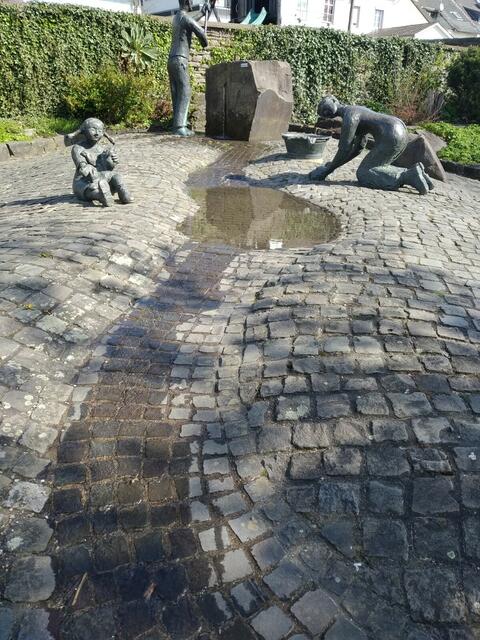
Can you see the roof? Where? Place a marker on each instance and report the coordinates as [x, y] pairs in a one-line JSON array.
[[454, 16], [407, 31]]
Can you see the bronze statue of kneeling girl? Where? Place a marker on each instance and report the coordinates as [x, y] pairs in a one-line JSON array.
[[95, 176]]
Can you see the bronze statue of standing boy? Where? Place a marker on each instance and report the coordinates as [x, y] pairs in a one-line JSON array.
[[184, 25]]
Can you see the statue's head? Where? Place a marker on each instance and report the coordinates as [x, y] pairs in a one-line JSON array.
[[328, 107], [93, 129], [185, 5]]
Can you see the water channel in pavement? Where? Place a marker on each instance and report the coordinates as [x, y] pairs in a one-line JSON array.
[[257, 218], [232, 212]]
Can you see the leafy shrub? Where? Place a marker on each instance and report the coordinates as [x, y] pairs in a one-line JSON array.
[[464, 81], [417, 94], [112, 96], [30, 127], [463, 142], [12, 130], [139, 51]]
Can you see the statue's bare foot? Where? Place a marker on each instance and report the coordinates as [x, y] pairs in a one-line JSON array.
[[418, 179], [426, 177], [183, 131], [124, 196]]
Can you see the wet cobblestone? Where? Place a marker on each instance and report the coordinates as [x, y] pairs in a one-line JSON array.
[[267, 444]]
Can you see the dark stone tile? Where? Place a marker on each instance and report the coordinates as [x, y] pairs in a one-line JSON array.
[[171, 581], [180, 620]]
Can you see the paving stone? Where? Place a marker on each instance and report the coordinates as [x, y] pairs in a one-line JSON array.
[[7, 620], [214, 539], [29, 496], [284, 580], [315, 610], [343, 629], [339, 497], [443, 603], [342, 461], [180, 619], [306, 466], [389, 430], [30, 535], [234, 566], [467, 458], [215, 608], [387, 461], [386, 539], [333, 406], [434, 430], [351, 431], [275, 438], [35, 625], [249, 526], [325, 383], [31, 579], [470, 491], [293, 408], [372, 404], [385, 498], [247, 597], [433, 495], [272, 624], [268, 553], [341, 534], [410, 405], [437, 538], [429, 461], [311, 435], [355, 298]]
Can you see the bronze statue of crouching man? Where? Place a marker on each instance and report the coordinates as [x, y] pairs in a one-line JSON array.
[[390, 136]]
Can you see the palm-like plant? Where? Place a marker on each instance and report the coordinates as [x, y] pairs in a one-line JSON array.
[[138, 48]]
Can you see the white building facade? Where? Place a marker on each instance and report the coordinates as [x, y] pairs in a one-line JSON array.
[[163, 7], [367, 15]]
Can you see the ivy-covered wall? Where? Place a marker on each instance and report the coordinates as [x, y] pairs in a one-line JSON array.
[[42, 44], [357, 69]]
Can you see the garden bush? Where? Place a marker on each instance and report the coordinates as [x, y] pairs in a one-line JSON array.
[[464, 81], [463, 142], [113, 96]]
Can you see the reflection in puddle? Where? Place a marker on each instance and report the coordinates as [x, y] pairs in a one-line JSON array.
[[257, 218]]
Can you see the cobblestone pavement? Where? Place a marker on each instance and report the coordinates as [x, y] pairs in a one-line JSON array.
[[268, 444]]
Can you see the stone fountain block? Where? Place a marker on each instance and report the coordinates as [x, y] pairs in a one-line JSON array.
[[249, 100]]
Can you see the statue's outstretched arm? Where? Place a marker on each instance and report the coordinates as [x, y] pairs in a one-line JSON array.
[[199, 32], [349, 145]]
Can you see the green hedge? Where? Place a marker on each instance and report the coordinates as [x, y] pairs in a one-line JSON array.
[[42, 44], [357, 69]]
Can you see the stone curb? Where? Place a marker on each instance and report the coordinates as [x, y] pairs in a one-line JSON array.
[[467, 170], [31, 148]]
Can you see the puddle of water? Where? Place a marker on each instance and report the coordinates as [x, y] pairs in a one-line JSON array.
[[257, 218]]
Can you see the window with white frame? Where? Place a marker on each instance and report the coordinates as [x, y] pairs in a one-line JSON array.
[[302, 10], [329, 11], [378, 24], [356, 16]]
